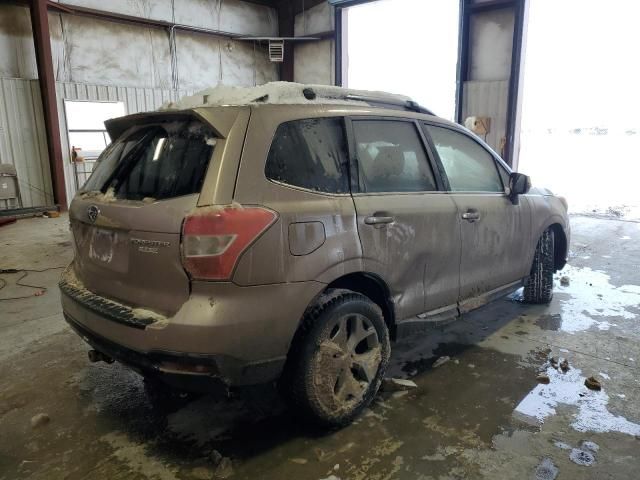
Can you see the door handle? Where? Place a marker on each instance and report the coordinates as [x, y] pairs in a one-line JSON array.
[[375, 220], [471, 215]]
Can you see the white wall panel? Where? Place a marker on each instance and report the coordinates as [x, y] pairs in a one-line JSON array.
[[488, 99], [314, 62], [22, 140]]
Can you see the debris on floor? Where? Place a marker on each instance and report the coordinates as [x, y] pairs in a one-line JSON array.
[[39, 420], [564, 365], [441, 361], [564, 281], [592, 384], [543, 378], [397, 384]]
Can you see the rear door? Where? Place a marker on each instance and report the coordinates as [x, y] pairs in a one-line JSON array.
[[494, 230], [127, 218], [408, 226]]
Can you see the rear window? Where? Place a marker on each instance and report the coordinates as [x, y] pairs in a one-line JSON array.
[[310, 153], [155, 162]]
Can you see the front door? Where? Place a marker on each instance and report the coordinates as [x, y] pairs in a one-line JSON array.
[[494, 230], [408, 226]]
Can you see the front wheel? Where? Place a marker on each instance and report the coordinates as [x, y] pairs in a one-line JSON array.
[[538, 286], [340, 357]]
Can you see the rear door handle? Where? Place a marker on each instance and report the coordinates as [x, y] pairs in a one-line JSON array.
[[471, 215], [375, 220]]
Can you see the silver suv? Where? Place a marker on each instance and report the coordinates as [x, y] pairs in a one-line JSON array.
[[290, 232]]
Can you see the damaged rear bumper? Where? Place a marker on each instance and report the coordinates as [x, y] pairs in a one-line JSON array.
[[224, 334], [188, 372]]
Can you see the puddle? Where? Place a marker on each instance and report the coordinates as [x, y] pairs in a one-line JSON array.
[[581, 457], [549, 322], [568, 389], [590, 298]]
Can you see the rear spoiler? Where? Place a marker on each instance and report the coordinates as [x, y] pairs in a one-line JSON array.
[[221, 119]]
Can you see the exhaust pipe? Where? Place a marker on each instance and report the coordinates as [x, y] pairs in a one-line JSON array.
[[96, 356]]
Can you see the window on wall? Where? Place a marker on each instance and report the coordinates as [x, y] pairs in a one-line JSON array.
[[85, 124], [87, 134]]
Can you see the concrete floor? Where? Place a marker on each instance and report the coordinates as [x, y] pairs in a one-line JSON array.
[[482, 414]]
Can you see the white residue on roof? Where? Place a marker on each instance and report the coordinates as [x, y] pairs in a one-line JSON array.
[[276, 93]]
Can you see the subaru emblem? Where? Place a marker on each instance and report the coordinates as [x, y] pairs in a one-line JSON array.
[[92, 213]]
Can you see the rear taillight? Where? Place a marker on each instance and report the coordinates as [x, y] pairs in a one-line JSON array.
[[213, 240]]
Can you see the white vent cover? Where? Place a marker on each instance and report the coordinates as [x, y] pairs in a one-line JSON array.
[[276, 50]]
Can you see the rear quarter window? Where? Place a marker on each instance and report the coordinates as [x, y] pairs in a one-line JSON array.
[[311, 154]]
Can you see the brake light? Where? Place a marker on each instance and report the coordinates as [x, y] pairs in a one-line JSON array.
[[213, 240]]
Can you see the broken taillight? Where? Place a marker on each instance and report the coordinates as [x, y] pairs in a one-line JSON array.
[[214, 239]]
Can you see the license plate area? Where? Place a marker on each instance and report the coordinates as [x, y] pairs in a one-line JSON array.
[[109, 249]]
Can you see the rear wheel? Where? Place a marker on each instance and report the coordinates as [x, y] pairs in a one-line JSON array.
[[339, 358], [538, 286]]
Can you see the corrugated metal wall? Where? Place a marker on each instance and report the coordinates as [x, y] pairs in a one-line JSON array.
[[488, 99], [22, 140], [22, 132], [135, 100]]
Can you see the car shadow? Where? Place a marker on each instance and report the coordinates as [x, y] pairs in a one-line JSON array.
[[202, 428]]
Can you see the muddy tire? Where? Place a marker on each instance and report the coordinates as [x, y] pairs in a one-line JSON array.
[[538, 286], [338, 358]]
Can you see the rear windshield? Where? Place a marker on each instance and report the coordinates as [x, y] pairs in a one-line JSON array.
[[155, 162]]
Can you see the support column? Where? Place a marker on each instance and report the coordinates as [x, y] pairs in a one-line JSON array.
[[286, 20], [46, 77]]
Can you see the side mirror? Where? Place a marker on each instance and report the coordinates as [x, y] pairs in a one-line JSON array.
[[519, 184]]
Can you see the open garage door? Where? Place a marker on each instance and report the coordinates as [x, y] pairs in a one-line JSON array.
[[580, 127], [403, 46]]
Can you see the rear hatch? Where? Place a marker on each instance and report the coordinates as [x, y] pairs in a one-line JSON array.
[[126, 220]]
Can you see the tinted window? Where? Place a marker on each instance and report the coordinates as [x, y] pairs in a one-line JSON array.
[[469, 167], [311, 154], [156, 162], [391, 157]]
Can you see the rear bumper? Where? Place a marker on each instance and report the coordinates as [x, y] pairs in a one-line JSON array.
[[189, 372], [224, 332]]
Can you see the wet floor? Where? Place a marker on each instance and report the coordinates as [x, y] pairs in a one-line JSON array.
[[478, 410]]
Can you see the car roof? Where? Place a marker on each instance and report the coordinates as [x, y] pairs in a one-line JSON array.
[[289, 93]]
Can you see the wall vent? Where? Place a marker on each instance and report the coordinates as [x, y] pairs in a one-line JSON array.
[[276, 50]]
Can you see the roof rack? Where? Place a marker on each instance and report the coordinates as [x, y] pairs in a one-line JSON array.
[[383, 102]]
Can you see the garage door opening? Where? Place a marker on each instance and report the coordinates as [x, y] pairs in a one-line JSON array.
[[408, 47], [580, 130]]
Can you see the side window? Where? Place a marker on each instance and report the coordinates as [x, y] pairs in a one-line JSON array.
[[469, 167], [391, 157], [310, 153]]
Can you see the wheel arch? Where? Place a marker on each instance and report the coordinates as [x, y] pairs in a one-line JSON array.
[[373, 287], [561, 247]]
